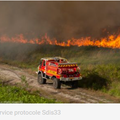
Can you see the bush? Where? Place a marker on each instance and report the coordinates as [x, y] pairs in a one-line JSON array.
[[105, 78]]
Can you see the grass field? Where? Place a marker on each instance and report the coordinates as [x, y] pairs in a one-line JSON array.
[[13, 94], [100, 67]]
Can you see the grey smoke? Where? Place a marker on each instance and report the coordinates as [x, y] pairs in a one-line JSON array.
[[60, 20]]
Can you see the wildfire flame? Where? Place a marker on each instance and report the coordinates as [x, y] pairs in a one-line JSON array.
[[112, 41]]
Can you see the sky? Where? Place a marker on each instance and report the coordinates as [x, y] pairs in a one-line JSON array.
[[60, 20]]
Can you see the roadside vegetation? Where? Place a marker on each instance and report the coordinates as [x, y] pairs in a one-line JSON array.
[[15, 94], [105, 78], [100, 67]]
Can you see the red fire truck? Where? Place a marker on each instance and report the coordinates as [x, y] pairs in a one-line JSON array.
[[59, 70]]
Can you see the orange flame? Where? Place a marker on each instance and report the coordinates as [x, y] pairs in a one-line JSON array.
[[112, 41]]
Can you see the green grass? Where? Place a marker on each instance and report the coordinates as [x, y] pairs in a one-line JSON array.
[[13, 94]]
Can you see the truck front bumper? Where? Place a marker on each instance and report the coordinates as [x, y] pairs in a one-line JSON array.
[[70, 78]]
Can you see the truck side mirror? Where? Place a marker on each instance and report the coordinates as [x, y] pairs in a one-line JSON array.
[[40, 63]]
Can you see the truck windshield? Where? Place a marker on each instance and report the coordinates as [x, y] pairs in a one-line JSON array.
[[63, 60]]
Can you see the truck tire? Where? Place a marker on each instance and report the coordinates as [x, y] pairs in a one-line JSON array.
[[56, 83], [41, 80], [75, 84]]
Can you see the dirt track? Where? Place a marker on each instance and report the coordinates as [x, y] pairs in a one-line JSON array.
[[12, 75]]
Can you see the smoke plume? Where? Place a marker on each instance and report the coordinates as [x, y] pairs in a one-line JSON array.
[[60, 20]]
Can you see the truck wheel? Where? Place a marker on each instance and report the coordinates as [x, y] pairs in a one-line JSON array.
[[56, 83], [75, 84], [41, 80]]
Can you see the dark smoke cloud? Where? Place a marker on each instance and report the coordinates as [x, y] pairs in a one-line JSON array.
[[61, 20]]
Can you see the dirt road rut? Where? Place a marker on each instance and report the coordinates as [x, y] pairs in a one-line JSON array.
[[12, 75]]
